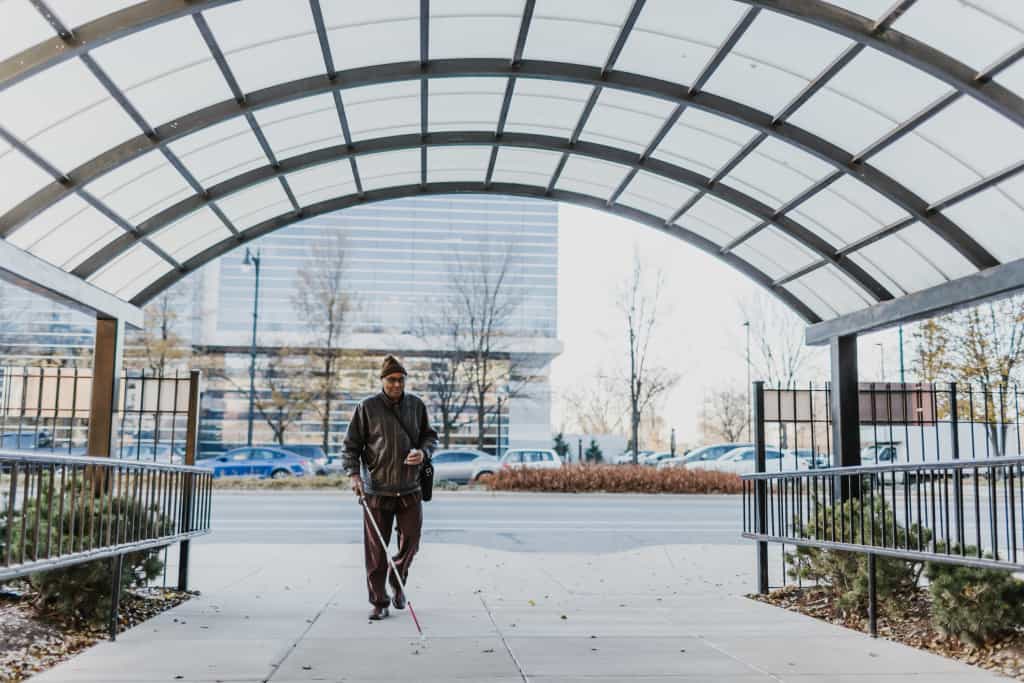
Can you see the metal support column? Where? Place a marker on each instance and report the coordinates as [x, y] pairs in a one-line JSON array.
[[106, 384], [117, 567], [760, 488], [845, 407], [872, 596], [191, 443]]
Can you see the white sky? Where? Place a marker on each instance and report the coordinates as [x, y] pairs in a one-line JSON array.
[[701, 333]]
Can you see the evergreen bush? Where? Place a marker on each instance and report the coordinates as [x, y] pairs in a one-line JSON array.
[[972, 604]]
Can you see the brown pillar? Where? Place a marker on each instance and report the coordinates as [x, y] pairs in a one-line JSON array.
[[106, 383]]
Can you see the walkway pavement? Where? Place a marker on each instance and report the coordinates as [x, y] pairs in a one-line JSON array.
[[297, 613]]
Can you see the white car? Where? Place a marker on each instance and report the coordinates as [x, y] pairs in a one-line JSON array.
[[741, 461], [531, 458], [654, 459], [700, 455], [462, 465]]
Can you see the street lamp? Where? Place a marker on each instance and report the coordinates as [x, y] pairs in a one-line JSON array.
[[903, 377], [750, 398], [253, 260], [881, 361]]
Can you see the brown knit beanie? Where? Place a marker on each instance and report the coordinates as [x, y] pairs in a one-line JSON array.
[[391, 366]]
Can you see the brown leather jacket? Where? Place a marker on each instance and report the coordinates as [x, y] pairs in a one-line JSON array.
[[376, 445]]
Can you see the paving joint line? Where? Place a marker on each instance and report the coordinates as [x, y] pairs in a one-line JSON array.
[[750, 666], [515, 660], [276, 667]]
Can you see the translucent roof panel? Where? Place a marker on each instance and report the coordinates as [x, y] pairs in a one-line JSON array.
[[267, 41], [525, 166], [468, 28], [719, 117]]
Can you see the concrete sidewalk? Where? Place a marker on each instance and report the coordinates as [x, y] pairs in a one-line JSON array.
[[298, 613]]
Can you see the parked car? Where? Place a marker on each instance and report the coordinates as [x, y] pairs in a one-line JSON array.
[[312, 452], [463, 465], [147, 451], [533, 459], [703, 454], [741, 461], [654, 459], [26, 440], [627, 457], [258, 461], [807, 459]]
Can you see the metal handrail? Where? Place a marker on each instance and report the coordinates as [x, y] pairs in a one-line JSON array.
[[996, 461], [30, 456]]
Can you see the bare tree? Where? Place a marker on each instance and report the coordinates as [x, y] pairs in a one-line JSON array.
[[448, 378], [638, 302], [160, 343], [483, 300], [726, 415], [287, 391], [779, 355], [596, 407], [324, 304]]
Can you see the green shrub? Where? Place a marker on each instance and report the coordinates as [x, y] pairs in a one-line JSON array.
[[81, 592], [845, 573], [974, 605]]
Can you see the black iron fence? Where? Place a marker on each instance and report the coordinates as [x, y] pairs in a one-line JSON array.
[[940, 481], [48, 409]]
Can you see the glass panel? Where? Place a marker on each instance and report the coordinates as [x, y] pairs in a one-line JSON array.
[[452, 164], [872, 9], [546, 107], [770, 90], [980, 138], [74, 13], [21, 179], [849, 125], [763, 262], [811, 299], [655, 195], [190, 235], [323, 182], [704, 229], [988, 218], [625, 120], [703, 142], [220, 152], [924, 168], [527, 166], [390, 169], [779, 171], [1013, 78], [848, 210], [469, 28], [130, 273], [781, 249], [256, 204], [899, 259], [65, 115], [465, 103], [575, 31], [267, 41], [142, 187], [21, 28], [726, 218], [66, 233], [876, 272], [674, 39], [382, 110], [842, 293], [165, 71], [363, 33], [591, 176], [972, 35], [938, 251], [300, 126], [885, 85]]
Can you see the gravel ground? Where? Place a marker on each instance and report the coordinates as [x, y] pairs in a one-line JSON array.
[[911, 626]]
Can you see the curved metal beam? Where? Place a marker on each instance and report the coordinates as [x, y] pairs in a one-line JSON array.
[[457, 68], [515, 189], [663, 169], [825, 15]]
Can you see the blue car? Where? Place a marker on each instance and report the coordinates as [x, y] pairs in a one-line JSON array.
[[258, 461]]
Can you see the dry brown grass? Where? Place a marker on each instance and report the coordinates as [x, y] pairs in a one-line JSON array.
[[332, 481], [614, 479]]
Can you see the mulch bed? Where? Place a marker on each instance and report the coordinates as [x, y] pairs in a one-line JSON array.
[[911, 625], [30, 642]]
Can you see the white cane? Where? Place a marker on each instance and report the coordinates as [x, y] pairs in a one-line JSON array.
[[398, 576]]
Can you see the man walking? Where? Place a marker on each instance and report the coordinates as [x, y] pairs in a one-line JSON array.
[[388, 440]]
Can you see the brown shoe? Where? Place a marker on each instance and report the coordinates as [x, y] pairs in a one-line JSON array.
[[378, 613], [399, 600]]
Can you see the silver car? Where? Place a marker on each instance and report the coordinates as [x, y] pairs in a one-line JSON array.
[[463, 465], [531, 459]]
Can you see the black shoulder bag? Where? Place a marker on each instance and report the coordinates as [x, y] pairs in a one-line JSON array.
[[427, 469]]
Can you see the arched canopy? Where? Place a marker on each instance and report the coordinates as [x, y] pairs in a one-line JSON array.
[[842, 155]]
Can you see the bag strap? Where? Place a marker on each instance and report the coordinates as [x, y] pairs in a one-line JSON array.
[[401, 423]]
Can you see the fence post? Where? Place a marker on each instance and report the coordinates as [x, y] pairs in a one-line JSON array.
[[116, 565], [872, 597], [191, 442], [760, 489], [844, 396]]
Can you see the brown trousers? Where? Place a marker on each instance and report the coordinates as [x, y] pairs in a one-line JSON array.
[[388, 511]]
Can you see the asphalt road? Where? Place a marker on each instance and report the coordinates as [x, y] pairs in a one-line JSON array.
[[518, 522]]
